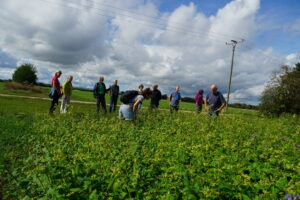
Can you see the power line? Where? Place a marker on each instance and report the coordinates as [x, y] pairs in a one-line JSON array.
[[153, 24], [163, 20], [189, 34]]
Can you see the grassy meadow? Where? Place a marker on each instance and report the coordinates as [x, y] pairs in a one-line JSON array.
[[88, 97]]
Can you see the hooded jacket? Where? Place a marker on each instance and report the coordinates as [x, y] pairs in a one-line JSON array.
[[199, 98]]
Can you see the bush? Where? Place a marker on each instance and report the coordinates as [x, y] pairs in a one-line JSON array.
[[188, 99], [25, 74], [282, 94], [18, 86], [243, 106], [165, 97]]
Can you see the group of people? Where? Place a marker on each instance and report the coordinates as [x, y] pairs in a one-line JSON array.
[[132, 100], [214, 101]]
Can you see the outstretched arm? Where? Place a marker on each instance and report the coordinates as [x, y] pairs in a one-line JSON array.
[[136, 105], [221, 107], [206, 104], [223, 103]]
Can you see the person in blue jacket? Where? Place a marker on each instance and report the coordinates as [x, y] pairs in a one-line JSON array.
[[174, 100]]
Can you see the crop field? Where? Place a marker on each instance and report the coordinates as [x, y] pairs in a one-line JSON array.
[[81, 155]]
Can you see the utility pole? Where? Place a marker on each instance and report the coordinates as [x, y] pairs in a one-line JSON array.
[[233, 43]]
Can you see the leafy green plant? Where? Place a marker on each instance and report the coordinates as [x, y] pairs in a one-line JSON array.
[[80, 155]]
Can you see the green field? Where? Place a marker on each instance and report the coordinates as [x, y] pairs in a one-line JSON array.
[[81, 155], [88, 96]]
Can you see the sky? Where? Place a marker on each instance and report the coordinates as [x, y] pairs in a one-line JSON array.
[[167, 42]]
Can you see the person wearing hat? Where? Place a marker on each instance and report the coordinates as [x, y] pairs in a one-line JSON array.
[[55, 93]]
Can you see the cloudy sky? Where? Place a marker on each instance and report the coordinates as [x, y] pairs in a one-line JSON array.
[[168, 42]]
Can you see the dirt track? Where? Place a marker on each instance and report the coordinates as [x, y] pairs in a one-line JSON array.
[[73, 101]]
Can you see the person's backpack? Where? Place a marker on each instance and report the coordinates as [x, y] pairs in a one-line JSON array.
[[128, 95], [51, 93]]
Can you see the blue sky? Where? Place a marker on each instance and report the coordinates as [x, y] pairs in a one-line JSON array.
[[277, 14], [281, 13], [209, 7]]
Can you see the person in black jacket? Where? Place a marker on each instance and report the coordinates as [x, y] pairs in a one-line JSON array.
[[114, 94], [156, 97], [99, 94]]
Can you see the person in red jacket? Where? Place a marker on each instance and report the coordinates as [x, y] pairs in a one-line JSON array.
[[55, 93]]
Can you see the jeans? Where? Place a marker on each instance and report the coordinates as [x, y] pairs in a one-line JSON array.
[[126, 112], [65, 101], [174, 108], [113, 103], [101, 100], [54, 101]]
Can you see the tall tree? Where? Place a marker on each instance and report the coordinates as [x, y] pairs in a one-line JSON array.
[[26, 74], [282, 94]]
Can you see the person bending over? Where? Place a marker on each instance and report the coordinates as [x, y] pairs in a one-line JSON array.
[[128, 110]]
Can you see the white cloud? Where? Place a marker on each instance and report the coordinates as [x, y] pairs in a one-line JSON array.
[[293, 59], [183, 47]]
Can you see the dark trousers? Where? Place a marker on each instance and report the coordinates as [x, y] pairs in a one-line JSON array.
[[101, 100], [174, 108], [212, 114], [113, 103], [198, 109], [153, 106], [54, 101]]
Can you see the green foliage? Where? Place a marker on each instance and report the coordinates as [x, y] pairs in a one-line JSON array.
[[282, 95], [188, 99], [25, 74], [162, 156]]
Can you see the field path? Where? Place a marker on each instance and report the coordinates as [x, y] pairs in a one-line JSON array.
[[41, 98], [74, 101]]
